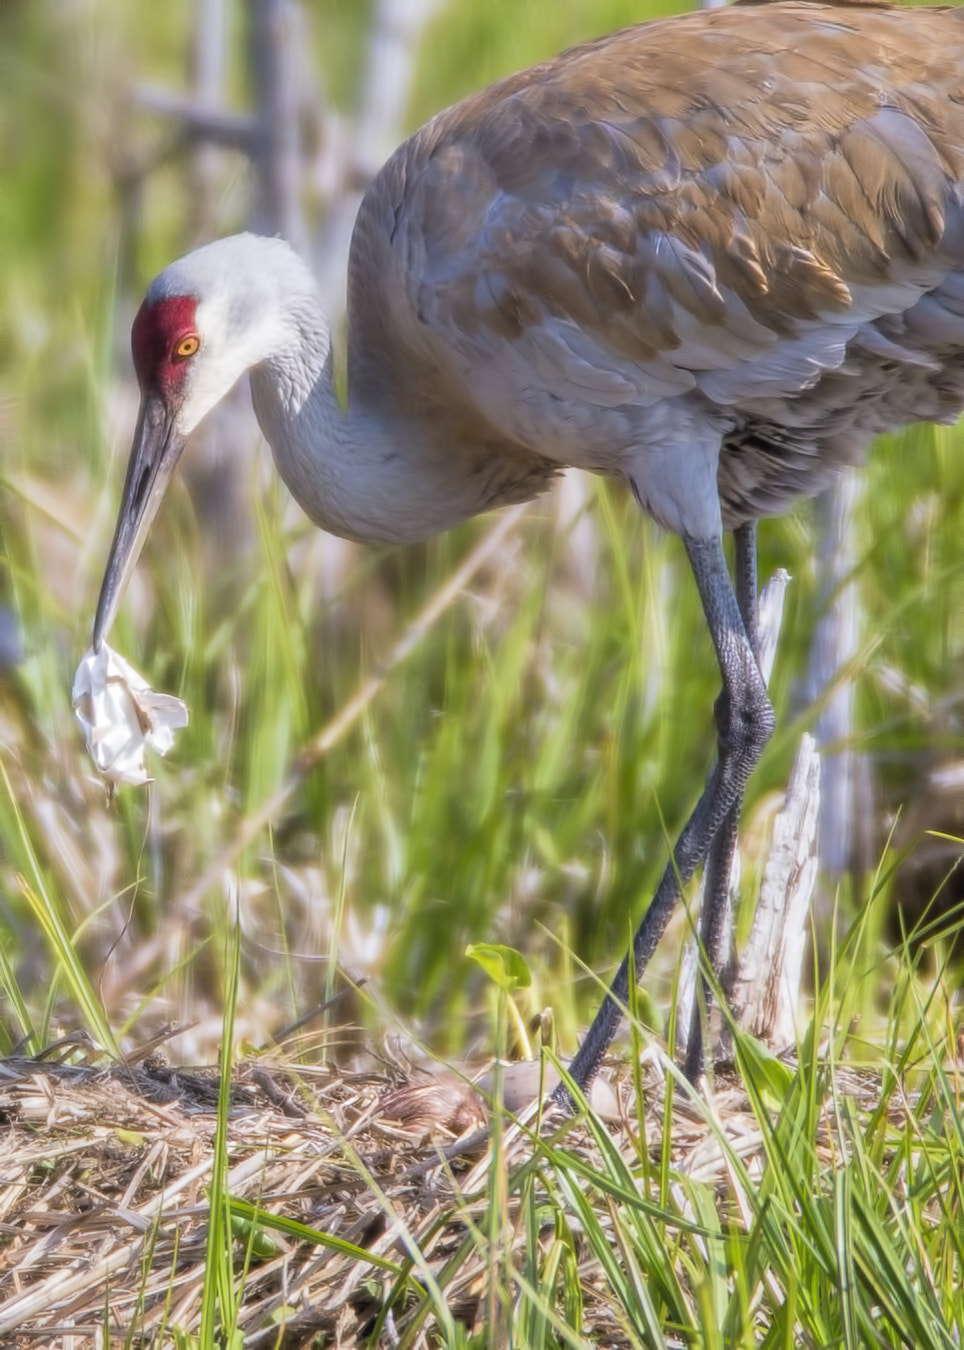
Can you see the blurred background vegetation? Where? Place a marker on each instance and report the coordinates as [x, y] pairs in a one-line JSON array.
[[517, 778]]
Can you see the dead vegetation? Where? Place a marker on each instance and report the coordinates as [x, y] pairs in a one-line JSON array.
[[344, 1189]]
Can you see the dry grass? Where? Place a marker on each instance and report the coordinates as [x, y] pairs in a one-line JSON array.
[[104, 1196], [104, 1210]]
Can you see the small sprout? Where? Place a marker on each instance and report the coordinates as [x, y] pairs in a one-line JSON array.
[[504, 965]]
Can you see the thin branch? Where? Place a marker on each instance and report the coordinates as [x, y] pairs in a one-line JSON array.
[[234, 131]]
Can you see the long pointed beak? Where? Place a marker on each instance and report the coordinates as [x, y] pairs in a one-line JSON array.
[[156, 449]]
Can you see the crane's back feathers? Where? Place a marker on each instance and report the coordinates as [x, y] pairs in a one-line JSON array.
[[742, 225]]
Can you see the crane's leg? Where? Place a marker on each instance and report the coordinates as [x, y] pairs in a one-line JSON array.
[[719, 861], [744, 722]]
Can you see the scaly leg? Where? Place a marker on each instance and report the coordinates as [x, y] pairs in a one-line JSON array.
[[719, 861], [744, 721]]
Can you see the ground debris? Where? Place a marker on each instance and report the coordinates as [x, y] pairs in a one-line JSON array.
[[103, 1193], [105, 1173]]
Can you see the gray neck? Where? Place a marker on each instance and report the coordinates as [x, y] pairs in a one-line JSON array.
[[356, 472]]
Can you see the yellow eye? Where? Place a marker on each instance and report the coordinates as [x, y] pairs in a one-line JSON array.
[[186, 347]]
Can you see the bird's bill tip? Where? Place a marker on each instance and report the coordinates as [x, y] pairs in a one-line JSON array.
[[155, 451]]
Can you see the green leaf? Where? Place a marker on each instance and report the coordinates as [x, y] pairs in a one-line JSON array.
[[769, 1075], [504, 965]]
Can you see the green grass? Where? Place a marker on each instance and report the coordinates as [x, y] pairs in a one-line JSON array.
[[843, 1230], [823, 1208]]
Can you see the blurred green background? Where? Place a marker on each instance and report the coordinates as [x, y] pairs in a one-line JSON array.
[[517, 779]]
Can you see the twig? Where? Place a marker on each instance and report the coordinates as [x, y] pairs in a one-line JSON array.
[[845, 786], [766, 992], [375, 130], [234, 131], [274, 39]]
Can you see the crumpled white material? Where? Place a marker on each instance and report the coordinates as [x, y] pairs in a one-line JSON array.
[[120, 715]]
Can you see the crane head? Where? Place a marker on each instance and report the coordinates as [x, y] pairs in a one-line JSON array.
[[205, 320], [164, 341]]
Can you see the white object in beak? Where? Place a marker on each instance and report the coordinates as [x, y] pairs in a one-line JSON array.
[[120, 714]]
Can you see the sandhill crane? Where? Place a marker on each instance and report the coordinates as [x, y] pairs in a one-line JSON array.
[[709, 256]]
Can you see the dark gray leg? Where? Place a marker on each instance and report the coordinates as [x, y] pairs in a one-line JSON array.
[[719, 861], [744, 721]]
